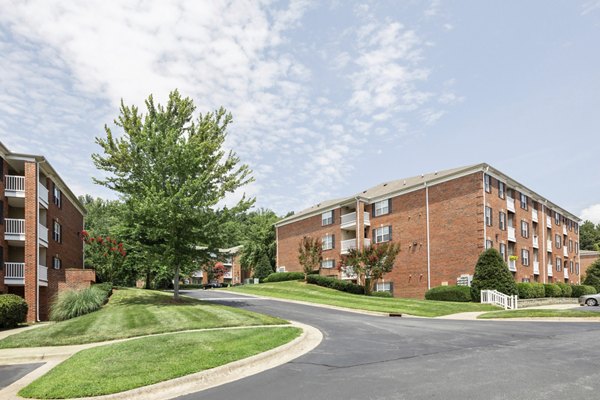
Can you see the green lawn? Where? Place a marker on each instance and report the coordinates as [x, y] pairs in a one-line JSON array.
[[118, 367], [294, 290], [537, 313], [135, 312]]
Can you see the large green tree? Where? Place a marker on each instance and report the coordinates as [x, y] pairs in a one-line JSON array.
[[589, 236], [592, 275], [172, 172], [371, 263], [492, 273], [258, 239]]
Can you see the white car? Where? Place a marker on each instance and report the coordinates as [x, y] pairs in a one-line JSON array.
[[589, 300]]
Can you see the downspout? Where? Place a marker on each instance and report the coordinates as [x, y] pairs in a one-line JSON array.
[[37, 250], [544, 246], [428, 247], [484, 199]]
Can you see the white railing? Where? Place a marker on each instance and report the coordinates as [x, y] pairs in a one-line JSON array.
[[566, 273], [565, 251], [349, 219], [548, 221], [510, 203], [536, 267], [564, 230], [42, 273], [43, 193], [549, 245], [43, 233], [536, 242], [367, 220], [348, 273], [14, 226], [512, 265], [14, 270], [14, 183], [347, 245], [511, 234], [534, 215], [499, 299], [367, 242], [550, 269]]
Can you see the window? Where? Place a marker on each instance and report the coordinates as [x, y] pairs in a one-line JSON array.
[[556, 218], [502, 221], [488, 216], [501, 191], [56, 232], [576, 247], [382, 207], [525, 280], [523, 201], [571, 267], [56, 263], [577, 268], [525, 229], [525, 257], [327, 242], [503, 251], [488, 183], [557, 241], [327, 218], [558, 264], [281, 269], [57, 196], [383, 234], [570, 246], [489, 244], [328, 264], [576, 227]]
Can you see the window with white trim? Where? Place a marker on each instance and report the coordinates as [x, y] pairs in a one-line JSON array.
[[502, 220], [576, 247], [328, 264], [383, 234], [558, 264], [503, 251], [570, 245], [523, 201], [56, 263], [327, 242], [488, 183], [525, 257], [56, 196], [557, 241], [56, 231], [577, 268], [382, 207], [571, 266], [327, 218], [488, 216], [556, 218], [489, 244], [524, 229], [501, 190], [576, 227]]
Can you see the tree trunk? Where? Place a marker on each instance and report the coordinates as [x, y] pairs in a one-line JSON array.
[[176, 284]]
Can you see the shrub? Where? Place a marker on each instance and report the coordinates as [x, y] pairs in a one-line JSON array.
[[552, 290], [13, 310], [449, 293], [531, 290], [491, 273], [382, 294], [565, 288], [74, 303], [106, 288], [263, 268], [592, 275], [580, 290], [284, 276], [334, 283]]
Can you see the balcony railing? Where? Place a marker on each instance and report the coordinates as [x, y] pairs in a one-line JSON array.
[[14, 183], [43, 194], [511, 234], [351, 244], [549, 245], [14, 229], [566, 273], [534, 215], [536, 242], [510, 204], [512, 265], [42, 273], [565, 251], [564, 230], [536, 268], [366, 219], [548, 221], [349, 220], [14, 270], [550, 269], [43, 233]]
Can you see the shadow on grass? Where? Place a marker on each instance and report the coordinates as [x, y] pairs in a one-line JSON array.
[[157, 299]]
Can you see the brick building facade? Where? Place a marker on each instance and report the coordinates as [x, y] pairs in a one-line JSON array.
[[40, 239], [442, 222], [234, 275]]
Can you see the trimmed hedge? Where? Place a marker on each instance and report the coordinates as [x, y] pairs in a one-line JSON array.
[[552, 290], [531, 290], [336, 284], [13, 310], [449, 293], [382, 294], [567, 290], [284, 276], [580, 290]]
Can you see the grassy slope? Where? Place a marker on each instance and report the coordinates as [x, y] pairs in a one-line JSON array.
[[295, 290], [118, 367], [134, 312], [536, 313]]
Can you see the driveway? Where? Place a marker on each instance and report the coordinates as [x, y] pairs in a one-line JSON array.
[[370, 357]]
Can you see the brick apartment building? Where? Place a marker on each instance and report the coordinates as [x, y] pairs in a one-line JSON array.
[[41, 251], [442, 222], [234, 275]]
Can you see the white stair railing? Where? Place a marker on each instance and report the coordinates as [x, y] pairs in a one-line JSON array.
[[499, 299]]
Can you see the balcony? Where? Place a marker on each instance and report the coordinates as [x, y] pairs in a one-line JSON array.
[[549, 246], [510, 204], [228, 274], [512, 265], [511, 234], [564, 229], [549, 269], [536, 242], [14, 229], [566, 273], [548, 221], [14, 273], [43, 275], [351, 244], [565, 251], [43, 195], [14, 186], [536, 268], [534, 215], [43, 235], [349, 221]]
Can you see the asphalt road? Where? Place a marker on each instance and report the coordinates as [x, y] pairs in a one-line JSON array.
[[370, 357], [12, 373]]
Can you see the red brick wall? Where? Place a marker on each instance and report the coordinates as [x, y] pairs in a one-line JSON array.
[[31, 226], [587, 260], [77, 278]]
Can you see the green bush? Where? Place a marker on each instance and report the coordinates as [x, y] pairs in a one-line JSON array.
[[552, 290], [491, 273], [449, 293], [284, 276], [531, 290], [13, 310], [382, 294], [263, 269], [106, 288], [336, 284], [581, 290], [592, 275], [74, 303], [566, 289]]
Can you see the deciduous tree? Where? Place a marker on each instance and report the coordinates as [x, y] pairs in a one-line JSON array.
[[310, 254], [370, 263]]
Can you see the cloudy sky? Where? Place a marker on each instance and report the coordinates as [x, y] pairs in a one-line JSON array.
[[328, 98]]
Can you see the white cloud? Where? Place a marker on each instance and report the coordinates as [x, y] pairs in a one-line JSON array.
[[591, 213], [590, 6]]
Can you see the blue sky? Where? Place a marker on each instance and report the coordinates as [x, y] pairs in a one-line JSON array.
[[328, 98]]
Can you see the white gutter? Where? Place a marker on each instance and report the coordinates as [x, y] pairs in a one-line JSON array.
[[37, 234], [485, 171], [428, 247], [544, 246]]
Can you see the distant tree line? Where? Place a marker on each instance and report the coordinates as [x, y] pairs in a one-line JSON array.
[[589, 236]]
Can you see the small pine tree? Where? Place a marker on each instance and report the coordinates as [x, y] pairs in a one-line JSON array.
[[491, 273], [263, 268], [592, 275]]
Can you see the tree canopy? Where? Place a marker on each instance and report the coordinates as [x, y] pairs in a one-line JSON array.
[[589, 236], [371, 263]]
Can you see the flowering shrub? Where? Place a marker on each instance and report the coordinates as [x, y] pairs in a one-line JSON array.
[[105, 254]]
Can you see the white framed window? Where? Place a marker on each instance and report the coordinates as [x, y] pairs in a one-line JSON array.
[[501, 190], [56, 196], [503, 251], [576, 227], [328, 242], [56, 231], [570, 245], [328, 264], [571, 266], [525, 229], [502, 220], [382, 207], [56, 263], [577, 268], [489, 244], [383, 234], [488, 216], [327, 218], [488, 183], [281, 269], [576, 247], [557, 241], [556, 218], [523, 201], [558, 264], [525, 257]]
